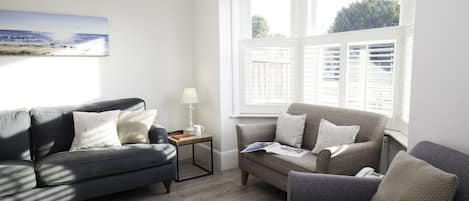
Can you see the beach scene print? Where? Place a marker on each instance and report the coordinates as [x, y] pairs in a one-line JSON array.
[[40, 34]]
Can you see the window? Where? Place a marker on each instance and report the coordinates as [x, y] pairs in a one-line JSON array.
[[339, 53], [272, 21], [355, 70], [333, 16], [268, 75]]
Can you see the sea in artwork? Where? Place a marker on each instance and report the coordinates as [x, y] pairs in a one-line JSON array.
[[15, 42]]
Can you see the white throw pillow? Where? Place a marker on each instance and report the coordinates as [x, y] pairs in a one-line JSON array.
[[95, 130], [133, 127], [330, 135], [290, 129]]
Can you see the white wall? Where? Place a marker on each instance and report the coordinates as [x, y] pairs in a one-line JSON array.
[[206, 69], [150, 57], [213, 78], [440, 98]]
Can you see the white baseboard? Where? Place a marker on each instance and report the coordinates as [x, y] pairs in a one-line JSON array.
[[229, 159], [225, 160]]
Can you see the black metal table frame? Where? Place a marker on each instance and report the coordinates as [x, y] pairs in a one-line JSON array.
[[208, 172]]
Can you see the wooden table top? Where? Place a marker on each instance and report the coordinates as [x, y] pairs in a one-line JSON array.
[[190, 140]]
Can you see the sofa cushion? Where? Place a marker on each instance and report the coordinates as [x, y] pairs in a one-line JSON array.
[[331, 135], [283, 164], [412, 179], [133, 127], [15, 135], [448, 160], [95, 130], [290, 129], [16, 176], [72, 167], [53, 130]]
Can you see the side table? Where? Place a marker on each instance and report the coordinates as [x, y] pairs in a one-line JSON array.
[[192, 141]]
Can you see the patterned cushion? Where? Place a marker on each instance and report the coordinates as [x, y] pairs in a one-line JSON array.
[[411, 179]]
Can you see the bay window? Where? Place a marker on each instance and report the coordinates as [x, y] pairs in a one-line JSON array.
[[339, 53]]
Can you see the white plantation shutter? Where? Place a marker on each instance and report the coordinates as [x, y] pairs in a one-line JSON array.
[[321, 75], [354, 70], [269, 76], [370, 77]]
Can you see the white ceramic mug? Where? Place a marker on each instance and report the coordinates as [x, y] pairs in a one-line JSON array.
[[198, 130]]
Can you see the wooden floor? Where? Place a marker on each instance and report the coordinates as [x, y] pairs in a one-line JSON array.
[[225, 186]]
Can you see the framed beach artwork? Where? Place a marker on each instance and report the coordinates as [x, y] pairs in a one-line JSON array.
[[41, 34]]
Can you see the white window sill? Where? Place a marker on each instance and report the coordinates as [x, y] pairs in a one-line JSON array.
[[398, 136], [254, 116]]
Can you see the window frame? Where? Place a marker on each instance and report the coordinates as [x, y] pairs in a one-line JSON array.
[[300, 20]]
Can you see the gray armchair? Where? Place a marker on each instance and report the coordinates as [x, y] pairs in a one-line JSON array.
[[321, 187], [342, 160]]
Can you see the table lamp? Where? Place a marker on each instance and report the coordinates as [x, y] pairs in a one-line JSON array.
[[189, 96]]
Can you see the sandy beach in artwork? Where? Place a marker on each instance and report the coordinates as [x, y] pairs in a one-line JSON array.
[[16, 50], [14, 42]]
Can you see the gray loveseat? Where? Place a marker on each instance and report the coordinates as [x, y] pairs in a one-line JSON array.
[[35, 163], [345, 160], [321, 187]]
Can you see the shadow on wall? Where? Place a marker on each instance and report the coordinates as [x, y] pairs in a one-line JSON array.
[[48, 81]]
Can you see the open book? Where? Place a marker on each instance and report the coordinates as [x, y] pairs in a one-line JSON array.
[[275, 147]]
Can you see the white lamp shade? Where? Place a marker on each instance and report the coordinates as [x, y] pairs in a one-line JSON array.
[[189, 96]]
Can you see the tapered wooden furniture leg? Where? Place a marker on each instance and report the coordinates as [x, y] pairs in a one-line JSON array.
[[167, 185], [244, 177]]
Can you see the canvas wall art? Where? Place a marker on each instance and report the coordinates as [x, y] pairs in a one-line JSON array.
[[40, 34]]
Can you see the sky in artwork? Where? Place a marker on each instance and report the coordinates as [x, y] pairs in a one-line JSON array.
[[53, 23]]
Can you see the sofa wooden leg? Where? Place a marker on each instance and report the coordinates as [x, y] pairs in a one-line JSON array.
[[244, 177], [167, 185]]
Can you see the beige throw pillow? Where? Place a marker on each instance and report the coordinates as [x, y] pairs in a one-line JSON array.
[[411, 179], [133, 127], [290, 129], [95, 130], [330, 135]]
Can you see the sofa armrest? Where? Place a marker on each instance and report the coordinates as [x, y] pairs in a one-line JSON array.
[[348, 159], [248, 134], [326, 187], [158, 135]]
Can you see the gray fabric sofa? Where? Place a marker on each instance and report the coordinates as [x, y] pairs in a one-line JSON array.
[[35, 163], [345, 160], [321, 187]]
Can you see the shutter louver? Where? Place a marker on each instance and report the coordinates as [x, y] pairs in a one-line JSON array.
[[370, 77], [321, 75], [268, 74]]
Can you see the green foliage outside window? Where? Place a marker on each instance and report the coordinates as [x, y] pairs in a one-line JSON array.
[[260, 28], [366, 14]]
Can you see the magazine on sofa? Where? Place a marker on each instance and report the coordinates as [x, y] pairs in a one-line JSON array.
[[276, 148]]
